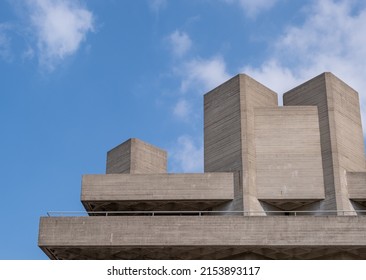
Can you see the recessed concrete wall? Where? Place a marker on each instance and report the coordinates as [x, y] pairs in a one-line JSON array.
[[288, 154]]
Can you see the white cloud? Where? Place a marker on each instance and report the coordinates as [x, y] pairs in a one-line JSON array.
[[279, 78], [182, 109], [59, 26], [203, 74], [330, 39], [197, 75], [187, 156], [157, 5], [253, 8], [180, 43]]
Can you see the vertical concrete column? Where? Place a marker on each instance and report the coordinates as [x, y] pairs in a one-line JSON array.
[[254, 95], [229, 142], [340, 134], [222, 136]]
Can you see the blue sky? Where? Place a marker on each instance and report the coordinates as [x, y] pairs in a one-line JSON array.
[[80, 77]]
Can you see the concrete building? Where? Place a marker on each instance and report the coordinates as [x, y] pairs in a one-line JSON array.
[[279, 183]]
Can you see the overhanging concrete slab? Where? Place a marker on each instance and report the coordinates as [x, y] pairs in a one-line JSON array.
[[76, 236], [356, 183], [122, 192]]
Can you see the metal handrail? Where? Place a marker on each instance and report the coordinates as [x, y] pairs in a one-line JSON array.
[[199, 213]]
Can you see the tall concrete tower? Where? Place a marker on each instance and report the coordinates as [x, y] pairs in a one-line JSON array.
[[342, 143], [273, 151]]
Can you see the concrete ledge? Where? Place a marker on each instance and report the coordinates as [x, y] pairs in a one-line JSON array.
[[206, 237], [120, 192], [356, 182], [158, 187], [203, 231]]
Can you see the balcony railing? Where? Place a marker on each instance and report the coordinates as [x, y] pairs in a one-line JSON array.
[[206, 213]]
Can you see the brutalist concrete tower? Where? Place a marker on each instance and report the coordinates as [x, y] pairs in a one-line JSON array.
[[279, 183]]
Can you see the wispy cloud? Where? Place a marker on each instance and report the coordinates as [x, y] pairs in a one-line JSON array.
[[330, 39], [187, 155], [182, 109], [274, 75], [5, 43], [180, 43], [197, 76], [203, 74], [252, 8], [157, 5], [28, 53], [60, 26]]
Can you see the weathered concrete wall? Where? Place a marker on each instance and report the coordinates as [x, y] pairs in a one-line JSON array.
[[288, 154], [136, 157], [340, 133], [124, 187]]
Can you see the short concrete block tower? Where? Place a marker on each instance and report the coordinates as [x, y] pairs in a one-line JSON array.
[[136, 157], [272, 175]]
